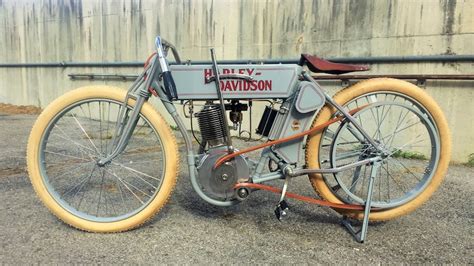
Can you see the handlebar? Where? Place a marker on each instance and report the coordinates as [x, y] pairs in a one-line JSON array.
[[167, 45], [161, 47]]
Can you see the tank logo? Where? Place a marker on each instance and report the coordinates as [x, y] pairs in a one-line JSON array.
[[242, 85]]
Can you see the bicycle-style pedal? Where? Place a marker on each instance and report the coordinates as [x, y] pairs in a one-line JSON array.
[[281, 210]]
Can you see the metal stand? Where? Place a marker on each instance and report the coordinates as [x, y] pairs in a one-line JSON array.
[[361, 234]]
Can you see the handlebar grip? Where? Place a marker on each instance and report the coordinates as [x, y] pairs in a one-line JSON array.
[[170, 87]]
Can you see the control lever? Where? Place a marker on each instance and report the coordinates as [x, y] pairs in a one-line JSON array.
[[217, 81]]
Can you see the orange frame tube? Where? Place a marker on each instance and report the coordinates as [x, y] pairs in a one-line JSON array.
[[229, 156]]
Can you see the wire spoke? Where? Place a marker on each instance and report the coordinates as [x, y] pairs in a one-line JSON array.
[[81, 182], [67, 155], [85, 133], [77, 137], [396, 128], [84, 164], [133, 170], [66, 137], [392, 116], [100, 192], [396, 182], [141, 178], [406, 168], [409, 144], [125, 185]]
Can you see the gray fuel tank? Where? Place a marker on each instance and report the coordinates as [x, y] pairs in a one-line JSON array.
[[271, 81]]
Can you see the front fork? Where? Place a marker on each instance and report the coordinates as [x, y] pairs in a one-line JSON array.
[[125, 126], [126, 123]]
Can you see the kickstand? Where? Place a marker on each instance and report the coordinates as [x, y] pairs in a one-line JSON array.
[[361, 234]]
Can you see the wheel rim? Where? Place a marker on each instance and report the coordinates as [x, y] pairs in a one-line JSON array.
[[405, 130], [72, 144]]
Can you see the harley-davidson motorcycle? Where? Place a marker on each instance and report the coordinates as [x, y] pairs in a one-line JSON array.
[[104, 160]]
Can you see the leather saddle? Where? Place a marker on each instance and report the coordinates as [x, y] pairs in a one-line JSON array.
[[319, 65]]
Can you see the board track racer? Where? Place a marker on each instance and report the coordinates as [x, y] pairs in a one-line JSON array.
[[104, 160]]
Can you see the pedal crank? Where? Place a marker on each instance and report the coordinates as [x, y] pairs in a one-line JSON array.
[[281, 209]]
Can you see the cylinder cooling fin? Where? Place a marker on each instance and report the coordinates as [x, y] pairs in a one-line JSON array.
[[211, 124]]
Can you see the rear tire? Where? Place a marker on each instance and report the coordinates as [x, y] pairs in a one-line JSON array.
[[370, 87]]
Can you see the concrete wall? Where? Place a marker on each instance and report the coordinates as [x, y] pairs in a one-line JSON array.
[[123, 30]]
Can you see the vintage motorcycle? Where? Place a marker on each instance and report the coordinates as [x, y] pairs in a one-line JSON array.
[[104, 160]]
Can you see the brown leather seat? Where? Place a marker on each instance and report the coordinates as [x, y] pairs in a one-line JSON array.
[[319, 65]]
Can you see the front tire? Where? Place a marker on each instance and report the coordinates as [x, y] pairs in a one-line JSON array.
[[68, 139]]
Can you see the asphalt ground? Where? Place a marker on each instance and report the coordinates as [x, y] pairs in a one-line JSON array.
[[188, 230]]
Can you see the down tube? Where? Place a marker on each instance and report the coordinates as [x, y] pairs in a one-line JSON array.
[[191, 160]]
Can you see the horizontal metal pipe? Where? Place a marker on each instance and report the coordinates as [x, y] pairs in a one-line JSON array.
[[415, 77], [374, 59], [406, 59], [317, 77], [75, 64], [367, 60], [102, 76]]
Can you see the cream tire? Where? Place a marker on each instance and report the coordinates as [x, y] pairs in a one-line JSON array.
[[371, 86], [162, 129]]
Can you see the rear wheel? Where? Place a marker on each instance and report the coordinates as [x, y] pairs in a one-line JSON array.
[[78, 129], [409, 126]]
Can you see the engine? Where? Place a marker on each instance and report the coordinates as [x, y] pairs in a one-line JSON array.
[[211, 124], [293, 116], [218, 183]]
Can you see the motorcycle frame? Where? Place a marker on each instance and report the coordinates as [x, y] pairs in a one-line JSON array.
[[156, 79]]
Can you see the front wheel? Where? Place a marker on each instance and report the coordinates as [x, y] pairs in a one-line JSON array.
[[410, 128], [69, 138]]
